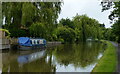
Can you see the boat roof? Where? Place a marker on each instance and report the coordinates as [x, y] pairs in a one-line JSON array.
[[30, 38], [23, 39]]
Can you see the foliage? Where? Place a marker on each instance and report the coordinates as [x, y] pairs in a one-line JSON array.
[[67, 22], [39, 19], [84, 27], [109, 35], [87, 27], [37, 30], [15, 32], [114, 16], [6, 31], [27, 13], [21, 15], [116, 30], [66, 33], [116, 9]]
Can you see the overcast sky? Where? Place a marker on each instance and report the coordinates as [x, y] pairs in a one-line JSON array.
[[90, 7]]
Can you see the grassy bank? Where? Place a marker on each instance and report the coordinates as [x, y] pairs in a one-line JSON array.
[[109, 60]]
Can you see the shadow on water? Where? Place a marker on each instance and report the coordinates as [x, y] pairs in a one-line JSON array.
[[80, 57]]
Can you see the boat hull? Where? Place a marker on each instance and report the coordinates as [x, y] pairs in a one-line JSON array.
[[31, 47]]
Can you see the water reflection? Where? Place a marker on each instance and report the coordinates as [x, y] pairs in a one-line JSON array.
[[29, 58], [80, 57]]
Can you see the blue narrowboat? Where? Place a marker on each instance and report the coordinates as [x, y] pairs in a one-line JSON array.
[[26, 43]]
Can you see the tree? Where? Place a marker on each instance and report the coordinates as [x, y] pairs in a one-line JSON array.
[[22, 15], [38, 30], [116, 30], [109, 35], [31, 12], [87, 27], [114, 16], [67, 22], [12, 13], [66, 34]]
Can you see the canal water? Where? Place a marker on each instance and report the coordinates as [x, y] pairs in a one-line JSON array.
[[80, 57]]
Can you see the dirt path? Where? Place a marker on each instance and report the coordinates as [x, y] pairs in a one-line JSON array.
[[118, 55]]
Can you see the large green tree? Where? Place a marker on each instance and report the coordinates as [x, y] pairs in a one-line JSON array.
[[66, 34], [24, 14], [114, 16], [67, 22], [86, 27]]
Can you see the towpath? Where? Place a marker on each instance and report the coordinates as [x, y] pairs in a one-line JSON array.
[[118, 55]]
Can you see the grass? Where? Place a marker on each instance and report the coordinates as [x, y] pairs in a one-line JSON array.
[[108, 61]]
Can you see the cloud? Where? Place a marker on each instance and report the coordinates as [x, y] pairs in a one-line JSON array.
[[90, 7]]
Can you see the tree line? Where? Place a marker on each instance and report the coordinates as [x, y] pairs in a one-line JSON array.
[[39, 19], [19, 16]]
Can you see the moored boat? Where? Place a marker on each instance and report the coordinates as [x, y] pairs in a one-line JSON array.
[[26, 43]]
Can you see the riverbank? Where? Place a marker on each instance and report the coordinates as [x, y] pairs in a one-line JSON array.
[[118, 55], [13, 42], [108, 61], [118, 52]]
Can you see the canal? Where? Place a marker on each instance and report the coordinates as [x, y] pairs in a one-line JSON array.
[[80, 57]]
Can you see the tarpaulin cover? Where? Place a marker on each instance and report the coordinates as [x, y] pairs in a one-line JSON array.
[[24, 41]]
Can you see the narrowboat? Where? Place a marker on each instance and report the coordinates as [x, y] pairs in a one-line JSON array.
[[25, 43]]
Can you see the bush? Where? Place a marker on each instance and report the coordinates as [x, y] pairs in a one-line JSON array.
[[67, 34], [15, 32], [38, 30], [6, 31]]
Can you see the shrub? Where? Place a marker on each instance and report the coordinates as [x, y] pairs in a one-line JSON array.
[[15, 32], [67, 34], [38, 30], [6, 31]]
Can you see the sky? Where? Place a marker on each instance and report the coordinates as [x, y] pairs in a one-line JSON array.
[[91, 8]]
